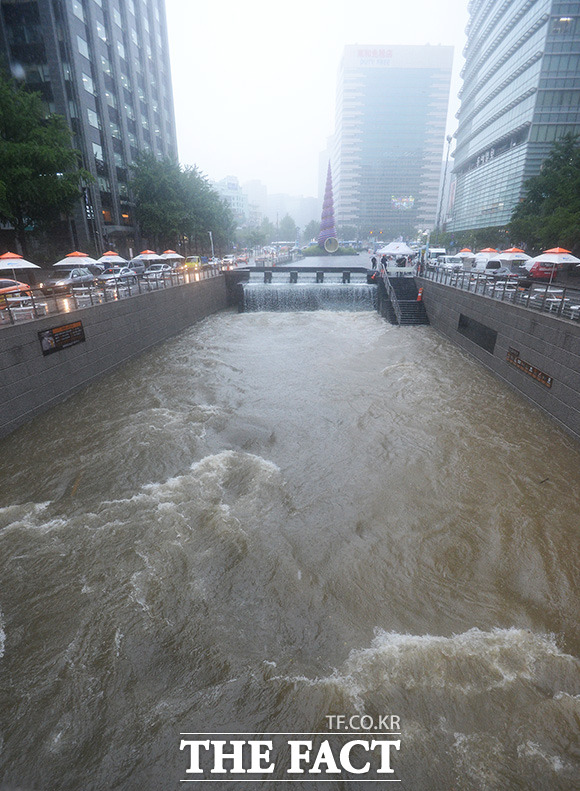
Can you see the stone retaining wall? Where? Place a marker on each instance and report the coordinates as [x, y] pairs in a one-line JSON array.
[[115, 332], [535, 353]]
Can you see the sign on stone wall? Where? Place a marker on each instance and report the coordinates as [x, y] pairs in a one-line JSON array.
[[513, 357], [58, 338]]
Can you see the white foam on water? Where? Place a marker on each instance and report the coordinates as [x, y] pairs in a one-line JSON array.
[[225, 482], [480, 757], [533, 750], [470, 663], [28, 516]]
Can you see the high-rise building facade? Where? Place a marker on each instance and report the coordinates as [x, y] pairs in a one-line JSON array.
[[391, 111], [104, 65], [521, 92]]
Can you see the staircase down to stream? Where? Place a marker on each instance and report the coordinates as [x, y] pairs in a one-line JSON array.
[[401, 302]]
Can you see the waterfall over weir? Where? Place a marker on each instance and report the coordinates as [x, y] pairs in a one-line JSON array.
[[283, 296]]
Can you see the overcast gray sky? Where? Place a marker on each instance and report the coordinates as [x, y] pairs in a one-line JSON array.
[[254, 83]]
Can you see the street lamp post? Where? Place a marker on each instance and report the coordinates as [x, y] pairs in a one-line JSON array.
[[211, 241], [438, 223]]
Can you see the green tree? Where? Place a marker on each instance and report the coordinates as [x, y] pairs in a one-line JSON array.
[[205, 211], [268, 230], [40, 177], [549, 215], [158, 192], [250, 237], [172, 203], [288, 229], [347, 232], [311, 231]]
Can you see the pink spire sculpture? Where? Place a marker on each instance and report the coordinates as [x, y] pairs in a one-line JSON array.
[[327, 229]]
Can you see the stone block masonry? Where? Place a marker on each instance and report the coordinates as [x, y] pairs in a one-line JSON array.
[[115, 332], [535, 353]]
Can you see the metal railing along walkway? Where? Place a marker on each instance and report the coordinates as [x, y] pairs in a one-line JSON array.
[[557, 300], [16, 308]]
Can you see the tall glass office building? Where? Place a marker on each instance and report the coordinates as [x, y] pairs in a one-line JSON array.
[[391, 111], [104, 65], [521, 92]]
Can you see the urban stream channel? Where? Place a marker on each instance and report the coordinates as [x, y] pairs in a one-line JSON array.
[[277, 517]]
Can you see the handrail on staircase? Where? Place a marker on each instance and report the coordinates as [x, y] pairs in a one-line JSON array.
[[392, 295]]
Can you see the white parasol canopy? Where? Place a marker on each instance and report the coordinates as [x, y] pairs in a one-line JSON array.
[[147, 255], [513, 254], [555, 260], [465, 253], [171, 255], [76, 259], [14, 261], [557, 256], [111, 257], [396, 248]]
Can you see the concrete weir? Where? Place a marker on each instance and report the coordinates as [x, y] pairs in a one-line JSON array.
[[535, 353]]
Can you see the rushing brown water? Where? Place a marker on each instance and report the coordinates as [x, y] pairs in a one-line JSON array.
[[279, 517]]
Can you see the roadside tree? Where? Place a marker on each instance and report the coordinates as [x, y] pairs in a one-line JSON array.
[[40, 173], [288, 229], [549, 215], [158, 194], [311, 231]]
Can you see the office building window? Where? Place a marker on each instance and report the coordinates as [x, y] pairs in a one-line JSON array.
[[77, 8], [117, 18], [83, 47], [111, 99], [121, 49], [98, 152], [106, 64], [88, 84], [101, 32], [93, 118]]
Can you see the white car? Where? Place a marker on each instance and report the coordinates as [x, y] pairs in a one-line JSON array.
[[451, 263], [117, 274], [228, 261], [157, 272]]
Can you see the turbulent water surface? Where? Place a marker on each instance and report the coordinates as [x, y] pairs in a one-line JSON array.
[[278, 517]]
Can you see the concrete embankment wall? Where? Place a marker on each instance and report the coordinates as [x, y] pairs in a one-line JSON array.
[[115, 332], [535, 353]]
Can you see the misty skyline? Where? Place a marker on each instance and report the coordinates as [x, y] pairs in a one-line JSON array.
[[255, 93]]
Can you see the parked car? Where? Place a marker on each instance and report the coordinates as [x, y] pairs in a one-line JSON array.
[[138, 266], [14, 288], [450, 263], [157, 272], [228, 261], [63, 279], [485, 264], [543, 271], [117, 274], [505, 273]]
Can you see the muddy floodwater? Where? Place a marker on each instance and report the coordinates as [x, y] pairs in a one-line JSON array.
[[274, 518]]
